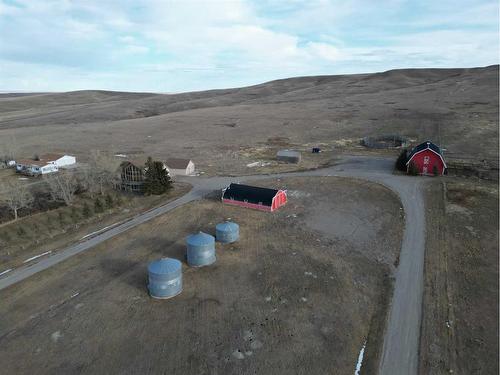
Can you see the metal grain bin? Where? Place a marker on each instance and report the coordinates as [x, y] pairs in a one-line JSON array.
[[200, 249], [227, 232], [165, 278], [288, 156]]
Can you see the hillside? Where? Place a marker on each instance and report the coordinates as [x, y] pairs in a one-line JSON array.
[[457, 108]]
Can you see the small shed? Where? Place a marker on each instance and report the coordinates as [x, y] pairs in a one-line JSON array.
[[256, 197], [288, 156], [428, 159], [227, 232], [165, 278], [200, 249], [183, 167]]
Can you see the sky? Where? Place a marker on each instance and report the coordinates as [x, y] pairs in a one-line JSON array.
[[178, 46]]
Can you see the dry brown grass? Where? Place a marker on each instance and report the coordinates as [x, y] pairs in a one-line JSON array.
[[290, 298], [460, 316]]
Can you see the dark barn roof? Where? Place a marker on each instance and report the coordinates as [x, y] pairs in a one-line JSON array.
[[252, 194], [424, 146]]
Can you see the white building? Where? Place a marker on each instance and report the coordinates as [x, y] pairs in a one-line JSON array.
[[35, 167], [183, 167], [48, 163], [60, 160]]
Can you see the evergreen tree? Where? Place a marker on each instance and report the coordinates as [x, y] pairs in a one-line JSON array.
[[98, 207], [402, 160], [74, 214], [109, 201], [60, 216], [412, 169], [86, 210], [156, 180]]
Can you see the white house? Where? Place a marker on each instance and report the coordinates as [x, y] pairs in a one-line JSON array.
[[61, 160], [35, 167], [183, 167], [47, 163]]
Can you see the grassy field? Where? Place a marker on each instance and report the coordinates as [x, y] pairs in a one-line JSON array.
[[224, 130], [460, 313], [288, 297]]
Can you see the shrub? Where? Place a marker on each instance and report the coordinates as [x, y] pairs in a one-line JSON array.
[[98, 207], [402, 160], [109, 201], [60, 216], [412, 169], [435, 170], [74, 214], [86, 210]]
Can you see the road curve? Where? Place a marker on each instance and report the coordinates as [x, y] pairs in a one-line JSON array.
[[401, 339]]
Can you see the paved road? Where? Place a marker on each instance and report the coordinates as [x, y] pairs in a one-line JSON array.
[[401, 340]]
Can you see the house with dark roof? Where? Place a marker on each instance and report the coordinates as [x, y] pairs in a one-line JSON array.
[[428, 159], [256, 197], [184, 167]]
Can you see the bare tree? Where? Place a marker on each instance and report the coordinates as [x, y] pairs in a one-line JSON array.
[[63, 186], [101, 172], [15, 195]]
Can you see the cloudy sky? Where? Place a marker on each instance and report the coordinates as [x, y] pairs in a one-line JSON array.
[[174, 46]]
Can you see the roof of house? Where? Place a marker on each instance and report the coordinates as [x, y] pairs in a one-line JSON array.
[[428, 145], [27, 162], [52, 156], [175, 163], [252, 194]]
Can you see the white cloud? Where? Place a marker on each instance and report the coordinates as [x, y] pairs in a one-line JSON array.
[[183, 45]]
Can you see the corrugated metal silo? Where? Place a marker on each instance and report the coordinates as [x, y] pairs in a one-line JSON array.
[[165, 278], [200, 249], [227, 232]]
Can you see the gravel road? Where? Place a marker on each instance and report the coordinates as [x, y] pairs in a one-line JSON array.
[[401, 340]]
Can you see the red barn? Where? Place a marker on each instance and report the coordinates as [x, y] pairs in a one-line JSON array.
[[428, 159], [259, 198]]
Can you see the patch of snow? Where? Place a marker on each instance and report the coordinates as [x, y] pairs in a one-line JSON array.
[[360, 359], [23, 178], [120, 155], [99, 231], [303, 299], [56, 336], [37, 256], [268, 299], [6, 271], [258, 164], [238, 355]]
